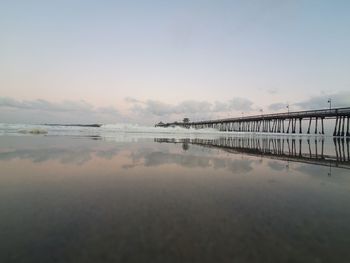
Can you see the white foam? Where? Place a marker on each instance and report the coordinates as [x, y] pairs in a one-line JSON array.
[[33, 131], [135, 128], [122, 130]]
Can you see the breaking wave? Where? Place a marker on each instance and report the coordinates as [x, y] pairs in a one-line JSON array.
[[135, 128], [118, 131], [33, 131], [106, 130]]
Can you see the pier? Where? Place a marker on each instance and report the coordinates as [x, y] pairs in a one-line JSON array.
[[287, 122]]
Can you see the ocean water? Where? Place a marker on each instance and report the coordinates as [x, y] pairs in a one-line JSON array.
[[127, 193], [106, 130]]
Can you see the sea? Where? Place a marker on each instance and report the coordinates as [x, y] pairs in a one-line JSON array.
[[133, 193]]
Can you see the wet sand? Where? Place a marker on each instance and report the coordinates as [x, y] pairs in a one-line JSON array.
[[74, 199]]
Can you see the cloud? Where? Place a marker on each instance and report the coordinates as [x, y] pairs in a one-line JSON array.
[[277, 106], [340, 99], [235, 104], [189, 107], [159, 108], [241, 104], [220, 106], [138, 111], [108, 110], [38, 111], [40, 104], [272, 91], [132, 100]]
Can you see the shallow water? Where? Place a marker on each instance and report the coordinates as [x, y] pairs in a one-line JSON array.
[[188, 199]]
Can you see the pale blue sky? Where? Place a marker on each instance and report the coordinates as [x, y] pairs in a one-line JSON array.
[[162, 54]]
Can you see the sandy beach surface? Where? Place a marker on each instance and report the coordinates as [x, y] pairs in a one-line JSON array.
[[143, 199]]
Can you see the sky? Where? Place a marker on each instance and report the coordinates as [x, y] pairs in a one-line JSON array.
[[149, 61]]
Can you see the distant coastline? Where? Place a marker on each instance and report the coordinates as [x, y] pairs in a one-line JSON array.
[[74, 125]]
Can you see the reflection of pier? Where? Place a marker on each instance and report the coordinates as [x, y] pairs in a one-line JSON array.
[[287, 122], [287, 149]]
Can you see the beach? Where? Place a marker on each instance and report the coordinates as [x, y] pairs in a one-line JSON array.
[[171, 198]]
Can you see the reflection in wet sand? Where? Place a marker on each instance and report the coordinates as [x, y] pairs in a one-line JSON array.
[[81, 200], [63, 152], [286, 149]]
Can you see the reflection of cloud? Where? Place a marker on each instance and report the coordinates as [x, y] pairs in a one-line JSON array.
[[42, 155], [64, 155], [160, 158], [315, 170], [241, 166], [219, 163], [108, 154], [156, 158], [277, 166]]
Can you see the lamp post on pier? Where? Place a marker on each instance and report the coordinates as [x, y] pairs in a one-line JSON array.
[[330, 103]]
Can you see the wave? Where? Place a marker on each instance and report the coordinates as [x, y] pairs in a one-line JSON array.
[[120, 130], [33, 131], [105, 130], [135, 128]]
